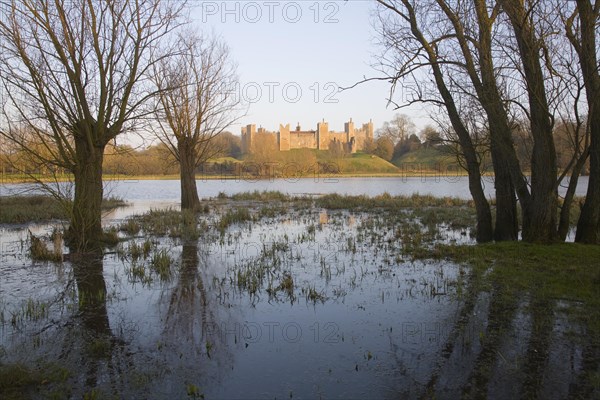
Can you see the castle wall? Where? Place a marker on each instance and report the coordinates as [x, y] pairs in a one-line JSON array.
[[301, 140], [287, 139], [339, 136]]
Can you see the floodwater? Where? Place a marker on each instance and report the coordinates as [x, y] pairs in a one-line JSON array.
[[294, 303], [169, 190]]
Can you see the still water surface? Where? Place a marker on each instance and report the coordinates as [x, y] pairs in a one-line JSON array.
[[295, 303], [169, 190]]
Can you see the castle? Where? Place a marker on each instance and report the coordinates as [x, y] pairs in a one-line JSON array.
[[351, 139]]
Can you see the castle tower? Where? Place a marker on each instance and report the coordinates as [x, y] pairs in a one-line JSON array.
[[369, 129], [248, 135], [284, 137], [349, 129], [323, 135]]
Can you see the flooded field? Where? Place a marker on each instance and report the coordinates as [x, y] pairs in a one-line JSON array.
[[274, 297]]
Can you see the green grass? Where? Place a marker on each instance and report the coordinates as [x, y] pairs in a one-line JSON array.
[[38, 208], [360, 163], [47, 381], [426, 157], [548, 273]]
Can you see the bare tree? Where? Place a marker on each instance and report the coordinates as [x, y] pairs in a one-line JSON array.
[[506, 61], [412, 50], [398, 129], [74, 74], [583, 40], [197, 102]]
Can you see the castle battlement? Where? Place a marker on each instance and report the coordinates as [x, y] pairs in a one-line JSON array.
[[351, 138]]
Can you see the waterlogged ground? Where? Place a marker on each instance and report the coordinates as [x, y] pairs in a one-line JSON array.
[[266, 297]]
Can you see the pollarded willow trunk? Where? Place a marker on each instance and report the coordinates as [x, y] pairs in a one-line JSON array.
[[541, 224], [187, 166], [507, 225], [482, 207], [564, 222], [540, 215], [588, 226], [85, 230]]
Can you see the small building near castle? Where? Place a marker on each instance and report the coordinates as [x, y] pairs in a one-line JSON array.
[[352, 139]]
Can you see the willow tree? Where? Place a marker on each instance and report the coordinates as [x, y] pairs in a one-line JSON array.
[[585, 41], [196, 102], [411, 49], [74, 76]]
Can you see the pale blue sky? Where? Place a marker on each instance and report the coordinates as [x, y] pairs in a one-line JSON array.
[[313, 46]]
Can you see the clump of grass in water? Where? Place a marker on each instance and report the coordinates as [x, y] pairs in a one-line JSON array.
[[314, 296], [130, 227], [188, 228], [386, 201], [39, 252], [287, 285], [161, 264], [138, 271], [235, 216], [193, 391], [158, 222], [35, 310], [259, 196], [111, 236]]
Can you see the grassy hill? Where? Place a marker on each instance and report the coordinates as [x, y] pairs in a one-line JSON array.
[[360, 163], [430, 158], [421, 160]]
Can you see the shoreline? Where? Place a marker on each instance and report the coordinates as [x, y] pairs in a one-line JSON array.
[[12, 179]]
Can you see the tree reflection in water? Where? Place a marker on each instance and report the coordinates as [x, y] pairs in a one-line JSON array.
[[93, 338], [192, 325]]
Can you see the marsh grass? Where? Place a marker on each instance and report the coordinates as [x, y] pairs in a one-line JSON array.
[[259, 196], [130, 227], [158, 222], [18, 381], [314, 296], [387, 202], [160, 263], [235, 216], [166, 222], [38, 208], [38, 250]]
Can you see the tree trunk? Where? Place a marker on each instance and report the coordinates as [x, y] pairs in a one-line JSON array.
[[540, 216], [588, 227], [482, 207], [507, 224], [565, 211], [85, 230], [187, 161]]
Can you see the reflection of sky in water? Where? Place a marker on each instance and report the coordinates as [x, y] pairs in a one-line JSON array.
[[379, 332], [377, 318]]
